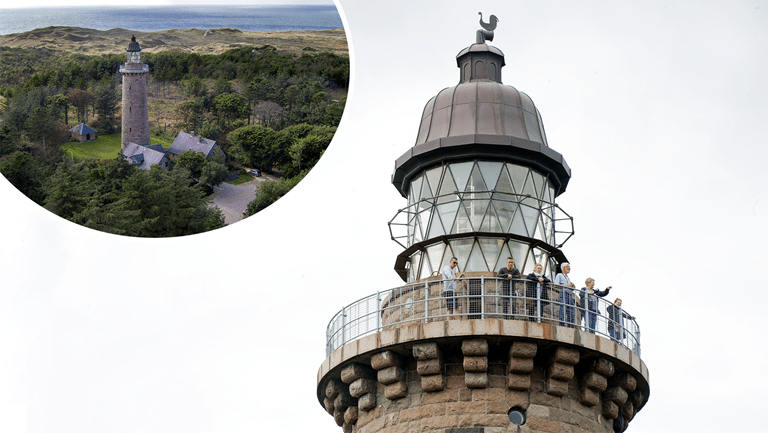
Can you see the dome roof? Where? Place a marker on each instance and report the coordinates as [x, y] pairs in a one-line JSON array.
[[481, 107], [133, 46], [481, 118]]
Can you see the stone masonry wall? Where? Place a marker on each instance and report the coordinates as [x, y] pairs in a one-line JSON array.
[[135, 115], [468, 383]]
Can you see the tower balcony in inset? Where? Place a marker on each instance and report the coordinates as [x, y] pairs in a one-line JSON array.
[[134, 68]]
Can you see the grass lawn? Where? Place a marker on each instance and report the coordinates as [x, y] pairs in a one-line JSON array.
[[241, 179], [103, 147]]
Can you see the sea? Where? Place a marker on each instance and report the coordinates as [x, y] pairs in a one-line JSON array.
[[153, 18]]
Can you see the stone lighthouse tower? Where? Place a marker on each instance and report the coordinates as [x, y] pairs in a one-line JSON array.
[[457, 349], [134, 113]]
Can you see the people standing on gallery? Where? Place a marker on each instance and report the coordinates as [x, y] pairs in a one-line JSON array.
[[536, 293], [449, 288], [509, 274], [588, 303], [566, 300]]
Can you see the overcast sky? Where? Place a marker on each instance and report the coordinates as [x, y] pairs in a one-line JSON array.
[[660, 109], [57, 3]]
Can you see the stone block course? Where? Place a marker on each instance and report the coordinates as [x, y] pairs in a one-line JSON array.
[[354, 371], [560, 371], [520, 382], [362, 386], [616, 394], [391, 375], [475, 379], [476, 363], [385, 359], [429, 366], [433, 383], [366, 402], [396, 390], [520, 365], [557, 387], [474, 347], [426, 351], [594, 380], [566, 355], [521, 349]]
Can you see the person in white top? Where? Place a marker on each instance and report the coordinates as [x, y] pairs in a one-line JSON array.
[[449, 288]]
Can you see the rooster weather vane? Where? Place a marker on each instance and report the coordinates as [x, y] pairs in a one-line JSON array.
[[486, 33]]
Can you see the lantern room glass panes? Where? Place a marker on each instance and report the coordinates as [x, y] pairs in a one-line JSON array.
[[477, 255], [481, 196]]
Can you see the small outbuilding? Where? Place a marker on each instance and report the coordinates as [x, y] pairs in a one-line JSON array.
[[145, 157], [196, 143], [83, 133]]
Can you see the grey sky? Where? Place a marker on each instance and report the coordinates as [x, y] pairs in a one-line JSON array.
[[660, 109]]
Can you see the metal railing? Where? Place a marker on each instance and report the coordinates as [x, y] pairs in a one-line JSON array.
[[482, 298]]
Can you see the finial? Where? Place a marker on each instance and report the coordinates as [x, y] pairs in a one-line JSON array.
[[133, 38], [486, 33]]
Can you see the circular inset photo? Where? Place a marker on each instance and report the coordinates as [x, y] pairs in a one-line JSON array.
[[184, 119]]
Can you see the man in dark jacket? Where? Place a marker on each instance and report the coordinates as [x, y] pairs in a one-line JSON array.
[[509, 273], [616, 322]]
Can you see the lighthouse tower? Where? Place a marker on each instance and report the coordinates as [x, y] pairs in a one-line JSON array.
[[481, 354], [135, 114]]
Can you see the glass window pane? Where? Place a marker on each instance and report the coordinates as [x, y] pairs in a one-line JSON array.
[[505, 210], [463, 224], [490, 172], [504, 184], [435, 253], [538, 183], [436, 226], [518, 226], [528, 188], [460, 174], [476, 261], [433, 177], [491, 249], [447, 188], [519, 252], [476, 210], [461, 249], [416, 189], [476, 183], [490, 222], [448, 214], [518, 174], [531, 217]]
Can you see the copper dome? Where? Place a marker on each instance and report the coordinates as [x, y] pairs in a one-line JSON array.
[[481, 118]]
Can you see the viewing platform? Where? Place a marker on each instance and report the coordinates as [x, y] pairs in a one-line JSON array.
[[134, 68], [482, 296]]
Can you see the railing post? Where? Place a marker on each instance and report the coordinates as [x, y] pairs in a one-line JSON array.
[[343, 326], [482, 297], [426, 301], [379, 313]]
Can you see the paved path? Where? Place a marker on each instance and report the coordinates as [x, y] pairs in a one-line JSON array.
[[233, 199]]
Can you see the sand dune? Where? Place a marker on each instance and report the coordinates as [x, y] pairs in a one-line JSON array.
[[205, 41]]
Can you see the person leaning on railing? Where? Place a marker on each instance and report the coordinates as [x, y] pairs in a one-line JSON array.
[[616, 323], [536, 289], [588, 304], [567, 302], [509, 273], [449, 289]]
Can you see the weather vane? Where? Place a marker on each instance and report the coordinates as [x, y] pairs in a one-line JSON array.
[[486, 33]]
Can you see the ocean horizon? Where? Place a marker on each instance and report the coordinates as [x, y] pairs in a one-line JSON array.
[[155, 18]]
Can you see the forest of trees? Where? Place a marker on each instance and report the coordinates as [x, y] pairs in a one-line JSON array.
[[276, 112]]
